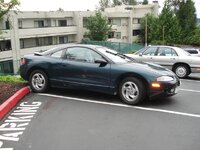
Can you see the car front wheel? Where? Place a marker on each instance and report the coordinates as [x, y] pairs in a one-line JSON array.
[[132, 90], [38, 81]]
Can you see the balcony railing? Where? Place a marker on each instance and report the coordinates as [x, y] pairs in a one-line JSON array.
[[46, 27], [47, 31], [5, 49]]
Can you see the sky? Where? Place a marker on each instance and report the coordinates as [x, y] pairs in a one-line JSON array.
[[72, 5]]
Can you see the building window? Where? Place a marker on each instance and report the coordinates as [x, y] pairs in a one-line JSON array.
[[85, 20], [6, 67], [110, 21], [35, 42], [54, 23], [48, 23], [136, 32], [20, 24], [116, 22], [118, 35], [111, 35], [63, 39], [43, 41], [5, 45], [136, 20], [21, 43], [62, 23], [39, 24], [7, 25]]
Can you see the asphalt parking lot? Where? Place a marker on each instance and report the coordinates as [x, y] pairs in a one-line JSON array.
[[81, 120]]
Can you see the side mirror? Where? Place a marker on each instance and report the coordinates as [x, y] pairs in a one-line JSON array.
[[140, 54], [102, 62]]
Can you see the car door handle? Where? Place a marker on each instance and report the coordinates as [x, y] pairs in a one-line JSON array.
[[173, 58]]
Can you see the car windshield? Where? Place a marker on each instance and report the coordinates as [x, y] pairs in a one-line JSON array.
[[114, 56], [140, 51]]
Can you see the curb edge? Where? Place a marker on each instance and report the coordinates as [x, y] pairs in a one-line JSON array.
[[12, 101]]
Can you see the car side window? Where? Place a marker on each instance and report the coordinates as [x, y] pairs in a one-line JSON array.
[[165, 51], [57, 54], [150, 51], [174, 53], [82, 54]]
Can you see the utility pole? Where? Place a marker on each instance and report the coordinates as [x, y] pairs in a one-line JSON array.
[[146, 31]]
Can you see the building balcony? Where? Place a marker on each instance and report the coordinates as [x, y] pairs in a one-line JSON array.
[[47, 31], [114, 27], [5, 55], [136, 26]]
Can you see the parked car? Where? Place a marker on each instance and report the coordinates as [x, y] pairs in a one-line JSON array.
[[97, 68], [193, 51], [174, 58]]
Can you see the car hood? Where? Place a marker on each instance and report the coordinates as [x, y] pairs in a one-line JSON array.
[[149, 68]]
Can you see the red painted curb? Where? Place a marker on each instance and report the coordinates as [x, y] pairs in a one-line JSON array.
[[12, 101]]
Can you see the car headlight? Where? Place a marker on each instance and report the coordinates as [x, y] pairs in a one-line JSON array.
[[165, 78]]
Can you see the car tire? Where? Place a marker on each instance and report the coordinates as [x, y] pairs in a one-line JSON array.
[[38, 81], [182, 71], [132, 90]]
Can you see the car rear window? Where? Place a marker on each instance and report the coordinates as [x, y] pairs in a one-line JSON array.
[[192, 51]]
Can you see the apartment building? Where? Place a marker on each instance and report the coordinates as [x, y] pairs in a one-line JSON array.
[[26, 32]]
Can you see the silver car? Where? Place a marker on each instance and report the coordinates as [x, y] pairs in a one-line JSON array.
[[174, 58]]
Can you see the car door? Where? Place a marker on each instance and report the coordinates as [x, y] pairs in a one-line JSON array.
[[148, 55], [54, 69], [166, 57], [80, 68]]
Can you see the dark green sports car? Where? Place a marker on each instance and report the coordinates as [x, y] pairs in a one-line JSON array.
[[97, 68]]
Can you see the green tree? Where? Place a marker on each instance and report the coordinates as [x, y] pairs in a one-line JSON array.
[[195, 38], [174, 4], [153, 28], [116, 3], [98, 27], [104, 4], [6, 6], [145, 2], [170, 29], [129, 2], [187, 18]]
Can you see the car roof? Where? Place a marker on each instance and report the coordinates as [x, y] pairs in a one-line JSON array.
[[74, 44], [58, 47], [163, 46]]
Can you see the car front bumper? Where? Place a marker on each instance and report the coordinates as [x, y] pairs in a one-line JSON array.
[[166, 89]]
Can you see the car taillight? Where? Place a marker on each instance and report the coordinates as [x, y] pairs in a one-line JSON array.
[[23, 61]]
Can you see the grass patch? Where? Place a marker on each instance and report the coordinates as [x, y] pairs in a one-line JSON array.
[[14, 79]]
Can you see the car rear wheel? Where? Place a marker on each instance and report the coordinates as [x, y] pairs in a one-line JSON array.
[[182, 71], [38, 81], [132, 90]]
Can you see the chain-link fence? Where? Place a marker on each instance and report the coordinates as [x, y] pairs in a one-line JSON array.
[[120, 47]]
